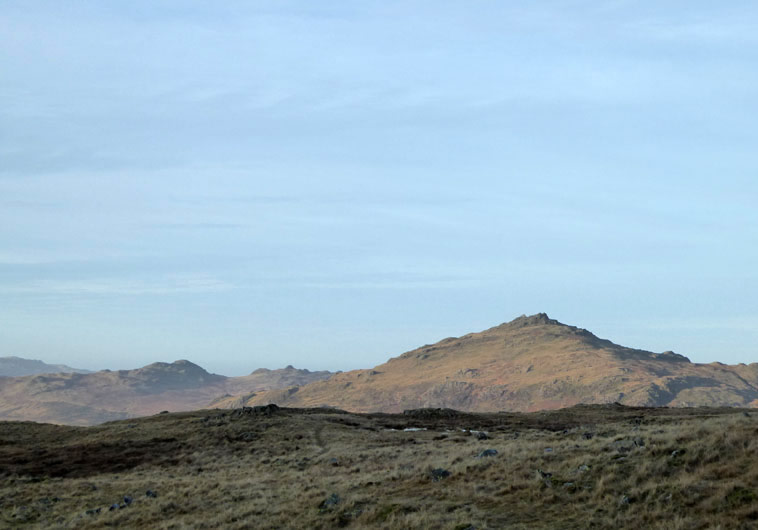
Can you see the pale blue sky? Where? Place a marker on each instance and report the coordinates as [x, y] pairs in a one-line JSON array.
[[329, 184]]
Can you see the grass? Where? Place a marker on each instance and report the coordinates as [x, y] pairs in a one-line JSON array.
[[588, 466]]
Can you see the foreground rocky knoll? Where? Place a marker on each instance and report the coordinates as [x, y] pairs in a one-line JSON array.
[[587, 466], [91, 398], [530, 363]]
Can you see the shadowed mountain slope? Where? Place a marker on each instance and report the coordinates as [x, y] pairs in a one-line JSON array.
[[528, 364], [18, 366], [87, 399]]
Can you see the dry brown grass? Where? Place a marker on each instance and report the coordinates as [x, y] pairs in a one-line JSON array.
[[229, 469]]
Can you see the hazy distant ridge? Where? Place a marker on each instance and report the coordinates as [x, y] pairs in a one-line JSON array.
[[17, 366], [90, 398]]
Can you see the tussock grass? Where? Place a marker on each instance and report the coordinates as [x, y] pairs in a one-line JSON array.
[[587, 467]]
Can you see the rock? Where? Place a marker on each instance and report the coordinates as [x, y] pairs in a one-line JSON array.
[[677, 452], [624, 500], [588, 435], [151, 494], [544, 474], [439, 473], [330, 502], [481, 435], [627, 444], [334, 462], [583, 468], [93, 511], [262, 410], [545, 477], [486, 453], [548, 449], [114, 506], [127, 500]]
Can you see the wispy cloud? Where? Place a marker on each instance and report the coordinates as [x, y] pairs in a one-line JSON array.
[[189, 284]]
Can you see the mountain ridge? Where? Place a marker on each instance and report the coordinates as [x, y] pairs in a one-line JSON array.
[[530, 363], [13, 366], [91, 398]]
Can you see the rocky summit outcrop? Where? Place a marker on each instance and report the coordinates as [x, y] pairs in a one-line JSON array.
[[91, 398], [528, 364]]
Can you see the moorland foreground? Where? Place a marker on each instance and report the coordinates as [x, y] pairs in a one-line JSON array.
[[601, 466]]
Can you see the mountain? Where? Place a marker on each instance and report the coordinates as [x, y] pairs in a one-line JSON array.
[[87, 399], [528, 364], [17, 366]]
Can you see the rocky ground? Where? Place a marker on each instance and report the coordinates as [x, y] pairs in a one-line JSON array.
[[586, 466]]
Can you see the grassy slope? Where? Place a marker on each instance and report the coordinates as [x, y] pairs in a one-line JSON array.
[[610, 467], [532, 363]]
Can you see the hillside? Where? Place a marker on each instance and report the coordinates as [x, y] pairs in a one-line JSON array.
[[87, 399], [529, 364], [18, 366], [589, 466]]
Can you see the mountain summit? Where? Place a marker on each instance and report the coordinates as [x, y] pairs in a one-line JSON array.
[[530, 363]]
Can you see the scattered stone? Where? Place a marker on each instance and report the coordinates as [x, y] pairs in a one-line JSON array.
[[414, 429], [548, 449], [588, 435], [624, 500], [545, 477], [334, 462], [151, 494], [677, 452], [568, 485], [486, 453], [93, 511], [481, 435], [330, 502], [543, 474], [114, 506], [127, 500], [627, 444], [583, 468], [746, 414], [439, 473]]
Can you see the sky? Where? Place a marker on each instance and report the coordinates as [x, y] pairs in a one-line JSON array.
[[330, 184]]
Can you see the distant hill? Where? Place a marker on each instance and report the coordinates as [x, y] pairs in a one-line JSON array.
[[528, 364], [91, 398], [17, 366]]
